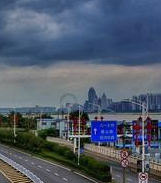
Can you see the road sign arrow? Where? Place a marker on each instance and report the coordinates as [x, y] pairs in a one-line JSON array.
[[95, 131]]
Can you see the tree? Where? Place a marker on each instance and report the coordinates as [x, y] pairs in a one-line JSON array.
[[75, 114]]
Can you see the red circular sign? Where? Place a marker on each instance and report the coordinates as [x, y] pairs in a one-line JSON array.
[[124, 163], [143, 176], [124, 154]]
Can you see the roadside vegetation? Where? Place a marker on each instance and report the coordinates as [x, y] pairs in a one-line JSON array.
[[37, 145], [52, 151]]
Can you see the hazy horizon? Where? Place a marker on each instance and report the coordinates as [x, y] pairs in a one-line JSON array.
[[49, 48]]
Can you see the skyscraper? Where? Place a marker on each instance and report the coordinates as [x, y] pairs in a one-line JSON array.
[[104, 102], [92, 100]]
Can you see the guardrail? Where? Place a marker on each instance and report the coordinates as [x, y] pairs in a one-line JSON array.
[[115, 155], [21, 169], [60, 141]]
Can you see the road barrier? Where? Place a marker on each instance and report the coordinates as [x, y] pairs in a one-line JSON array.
[[60, 141], [114, 154], [21, 169]]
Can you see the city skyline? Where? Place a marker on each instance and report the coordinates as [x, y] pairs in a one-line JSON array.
[[94, 103], [49, 48]]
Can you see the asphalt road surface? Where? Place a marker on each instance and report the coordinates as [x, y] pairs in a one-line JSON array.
[[130, 177], [117, 171], [46, 171], [51, 172]]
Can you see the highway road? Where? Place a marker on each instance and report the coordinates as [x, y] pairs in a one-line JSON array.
[[130, 177], [51, 172], [117, 171], [46, 171]]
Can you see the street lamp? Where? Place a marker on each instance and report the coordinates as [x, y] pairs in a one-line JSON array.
[[144, 112], [99, 108], [79, 135], [14, 125], [68, 120], [79, 119]]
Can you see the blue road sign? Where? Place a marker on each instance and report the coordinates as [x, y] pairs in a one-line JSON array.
[[103, 131]]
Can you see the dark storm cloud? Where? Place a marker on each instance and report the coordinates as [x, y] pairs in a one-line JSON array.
[[40, 32]]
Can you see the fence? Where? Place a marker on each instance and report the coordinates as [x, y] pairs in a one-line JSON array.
[[60, 141], [21, 169], [155, 166]]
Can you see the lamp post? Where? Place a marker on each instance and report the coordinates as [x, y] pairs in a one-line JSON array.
[[99, 108], [79, 134], [79, 120], [144, 112], [14, 125], [68, 120]]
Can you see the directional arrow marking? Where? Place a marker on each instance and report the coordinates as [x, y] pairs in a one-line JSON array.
[[95, 131]]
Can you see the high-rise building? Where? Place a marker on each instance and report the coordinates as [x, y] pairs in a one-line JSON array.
[[92, 100], [153, 102], [86, 106], [91, 95], [104, 102]]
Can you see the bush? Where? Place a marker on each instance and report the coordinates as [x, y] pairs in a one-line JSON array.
[[97, 169], [50, 146], [42, 133], [6, 136], [28, 141], [48, 132]]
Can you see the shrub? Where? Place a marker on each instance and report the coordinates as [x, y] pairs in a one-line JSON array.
[[28, 141], [97, 169], [48, 132]]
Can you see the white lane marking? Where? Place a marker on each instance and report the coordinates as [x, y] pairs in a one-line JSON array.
[[20, 157], [32, 163], [52, 163], [10, 153], [129, 179], [85, 177], [15, 149], [39, 166], [37, 157], [26, 160], [47, 170], [113, 178], [118, 175], [56, 174], [65, 179]]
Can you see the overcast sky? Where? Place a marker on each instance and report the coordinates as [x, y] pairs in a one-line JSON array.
[[52, 47]]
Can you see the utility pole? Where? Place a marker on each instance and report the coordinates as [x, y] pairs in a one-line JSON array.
[[79, 135], [143, 136], [124, 136], [14, 126]]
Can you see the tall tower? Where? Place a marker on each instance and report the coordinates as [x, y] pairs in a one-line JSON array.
[[104, 102], [91, 94], [92, 99]]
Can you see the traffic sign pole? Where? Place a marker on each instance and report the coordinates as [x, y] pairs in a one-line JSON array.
[[124, 136], [123, 175]]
